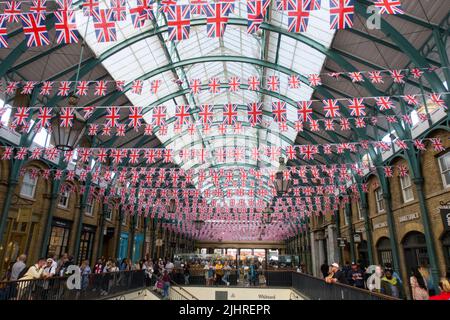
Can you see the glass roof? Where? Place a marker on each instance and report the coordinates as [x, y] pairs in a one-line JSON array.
[[152, 52]]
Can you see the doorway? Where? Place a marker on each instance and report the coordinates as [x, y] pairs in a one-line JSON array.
[[415, 250]]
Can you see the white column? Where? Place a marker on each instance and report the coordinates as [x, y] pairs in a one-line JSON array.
[[333, 250], [314, 254]]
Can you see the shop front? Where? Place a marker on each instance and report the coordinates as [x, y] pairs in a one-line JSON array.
[[137, 247], [123, 245], [59, 237], [86, 243]]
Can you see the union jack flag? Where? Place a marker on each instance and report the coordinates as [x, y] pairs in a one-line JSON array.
[[341, 14], [411, 100], [389, 6], [46, 88], [66, 29], [254, 113], [273, 83], [197, 6], [119, 9], [182, 114], [397, 76], [90, 7], [311, 4], [419, 145], [253, 83], [384, 103], [82, 88], [12, 11], [294, 81], [230, 114], [417, 73], [279, 111], [298, 16], [141, 13], [3, 32], [314, 80], [234, 84], [375, 77], [34, 29], [39, 7], [195, 86], [436, 98], [402, 170], [217, 18], [165, 4], [206, 113], [282, 5], [357, 107], [356, 77], [105, 26], [331, 108], [64, 88], [100, 88], [256, 11], [178, 21]]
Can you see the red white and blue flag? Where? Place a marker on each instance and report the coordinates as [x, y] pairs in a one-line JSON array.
[[311, 4], [66, 29], [341, 14], [178, 21], [119, 10], [105, 26], [197, 6], [331, 108], [279, 111], [3, 32], [254, 113], [141, 13], [230, 114], [305, 111], [182, 114], [34, 29], [90, 7], [159, 115], [298, 16], [389, 6], [256, 11], [206, 114], [217, 18], [12, 11], [357, 107], [39, 7]]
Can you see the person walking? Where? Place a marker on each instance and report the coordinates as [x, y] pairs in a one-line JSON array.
[[166, 281], [418, 285], [186, 273], [227, 272], [219, 272]]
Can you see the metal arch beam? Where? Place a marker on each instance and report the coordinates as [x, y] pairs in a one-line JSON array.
[[386, 44], [20, 49], [410, 18], [406, 47]]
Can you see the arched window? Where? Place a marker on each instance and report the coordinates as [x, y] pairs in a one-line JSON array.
[[415, 250], [384, 251]]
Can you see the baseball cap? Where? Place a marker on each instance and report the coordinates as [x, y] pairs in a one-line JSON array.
[[335, 265]]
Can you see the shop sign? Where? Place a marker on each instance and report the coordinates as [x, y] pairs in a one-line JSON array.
[[357, 237], [445, 214], [408, 217], [61, 223], [341, 242], [380, 225], [87, 228]]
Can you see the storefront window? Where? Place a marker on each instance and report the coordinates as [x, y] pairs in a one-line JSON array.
[[384, 251], [28, 188], [86, 243], [59, 238]]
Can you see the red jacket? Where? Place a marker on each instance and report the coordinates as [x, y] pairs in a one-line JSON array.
[[441, 296]]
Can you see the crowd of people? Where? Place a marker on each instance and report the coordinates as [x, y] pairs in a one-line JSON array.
[[158, 273], [387, 281]]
